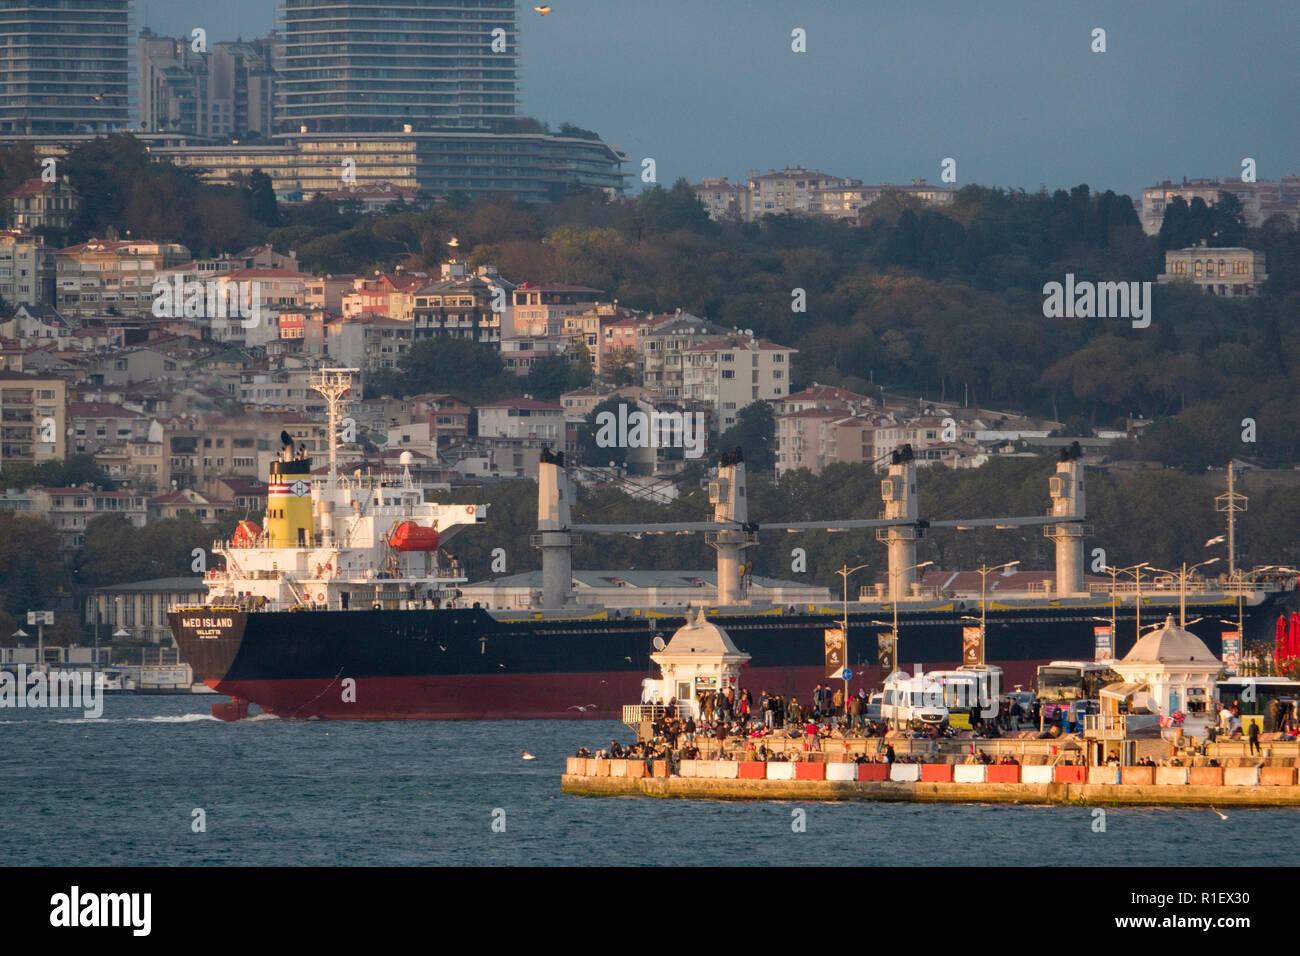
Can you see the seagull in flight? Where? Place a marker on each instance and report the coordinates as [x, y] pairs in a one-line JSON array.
[[582, 709], [1222, 816], [528, 756], [543, 9]]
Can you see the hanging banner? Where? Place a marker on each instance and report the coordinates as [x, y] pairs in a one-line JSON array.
[[972, 646], [836, 652], [1104, 643], [885, 646], [1231, 651]]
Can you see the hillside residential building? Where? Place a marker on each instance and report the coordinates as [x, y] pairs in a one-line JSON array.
[[372, 198], [826, 398], [327, 292], [384, 64], [372, 343], [523, 418], [39, 326], [800, 191], [520, 352], [42, 204], [388, 295], [66, 67], [530, 167], [1259, 200], [94, 425], [33, 419], [542, 308], [724, 200], [221, 92], [851, 199], [1218, 271], [661, 347], [459, 306], [103, 274], [70, 509], [734, 372], [582, 402], [26, 269], [790, 190], [926, 435], [813, 438]]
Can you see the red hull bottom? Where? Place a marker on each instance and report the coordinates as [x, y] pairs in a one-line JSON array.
[[523, 697]]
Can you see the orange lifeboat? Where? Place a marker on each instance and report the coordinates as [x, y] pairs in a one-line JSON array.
[[409, 536], [246, 533]]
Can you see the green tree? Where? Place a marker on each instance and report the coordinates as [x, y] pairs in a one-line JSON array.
[[589, 452], [464, 367], [755, 433], [261, 199], [548, 377]]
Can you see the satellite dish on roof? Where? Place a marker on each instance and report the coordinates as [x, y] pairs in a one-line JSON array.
[[659, 643]]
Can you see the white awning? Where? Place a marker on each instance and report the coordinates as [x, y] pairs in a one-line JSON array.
[[1124, 691]]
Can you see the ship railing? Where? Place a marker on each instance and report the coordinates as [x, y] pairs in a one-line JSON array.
[[1105, 726], [1165, 585], [636, 714]]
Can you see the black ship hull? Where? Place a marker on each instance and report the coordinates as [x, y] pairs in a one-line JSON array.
[[469, 664]]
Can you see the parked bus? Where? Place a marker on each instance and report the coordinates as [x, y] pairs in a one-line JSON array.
[[1061, 682], [966, 685], [1255, 695]]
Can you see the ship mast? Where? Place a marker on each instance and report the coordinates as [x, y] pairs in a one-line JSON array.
[[1231, 503], [333, 383]]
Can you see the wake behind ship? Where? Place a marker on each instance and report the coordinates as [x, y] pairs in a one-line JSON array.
[[340, 605]]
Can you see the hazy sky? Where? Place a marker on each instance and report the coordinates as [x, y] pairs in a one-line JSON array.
[[886, 91]]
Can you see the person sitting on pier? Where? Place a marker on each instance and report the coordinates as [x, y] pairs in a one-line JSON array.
[[615, 751]]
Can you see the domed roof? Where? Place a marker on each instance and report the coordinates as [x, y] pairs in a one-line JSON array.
[[1170, 645], [699, 636]]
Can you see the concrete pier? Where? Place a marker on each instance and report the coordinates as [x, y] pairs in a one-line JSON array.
[[1075, 794]]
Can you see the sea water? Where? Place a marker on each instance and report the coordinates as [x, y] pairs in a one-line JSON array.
[[157, 781]]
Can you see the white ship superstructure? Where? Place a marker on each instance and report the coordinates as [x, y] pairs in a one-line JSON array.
[[351, 543]]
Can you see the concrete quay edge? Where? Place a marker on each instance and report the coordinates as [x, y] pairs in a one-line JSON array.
[[685, 788]]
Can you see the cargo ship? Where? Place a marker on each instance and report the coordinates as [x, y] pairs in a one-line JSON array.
[[342, 604]]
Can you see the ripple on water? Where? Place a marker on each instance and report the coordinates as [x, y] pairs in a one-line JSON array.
[[418, 793]]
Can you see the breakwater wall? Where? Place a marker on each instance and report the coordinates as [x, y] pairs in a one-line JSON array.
[[1254, 786]]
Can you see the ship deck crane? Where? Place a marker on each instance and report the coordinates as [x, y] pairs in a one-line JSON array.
[[730, 531]]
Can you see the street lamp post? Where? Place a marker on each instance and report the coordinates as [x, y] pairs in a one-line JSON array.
[[894, 633], [844, 573], [1136, 571], [1182, 586], [984, 571], [894, 590]]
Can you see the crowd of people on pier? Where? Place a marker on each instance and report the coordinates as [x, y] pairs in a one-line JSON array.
[[826, 715], [804, 727]]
